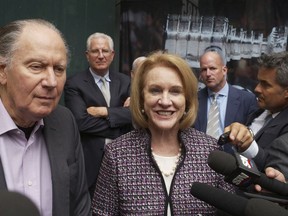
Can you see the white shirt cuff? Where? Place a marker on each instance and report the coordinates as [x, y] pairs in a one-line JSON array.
[[252, 151]]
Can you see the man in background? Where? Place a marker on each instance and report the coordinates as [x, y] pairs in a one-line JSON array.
[[232, 104], [136, 63], [99, 99], [269, 146], [40, 148]]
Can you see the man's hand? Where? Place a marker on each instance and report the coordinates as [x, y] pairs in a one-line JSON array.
[[97, 111], [241, 136], [127, 102], [273, 174]]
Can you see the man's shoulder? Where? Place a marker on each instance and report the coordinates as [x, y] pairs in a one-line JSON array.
[[79, 74], [203, 92], [60, 112], [119, 75], [283, 115], [242, 92]]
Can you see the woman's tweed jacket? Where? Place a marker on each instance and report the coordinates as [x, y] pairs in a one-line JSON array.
[[130, 183]]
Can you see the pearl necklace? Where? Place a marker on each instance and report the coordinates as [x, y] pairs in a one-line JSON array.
[[167, 174]]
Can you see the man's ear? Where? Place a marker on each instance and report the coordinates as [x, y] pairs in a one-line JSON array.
[[3, 74], [286, 93]]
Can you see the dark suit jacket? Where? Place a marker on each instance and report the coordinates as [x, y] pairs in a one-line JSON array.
[[273, 144], [70, 192], [81, 92], [278, 154], [240, 104]]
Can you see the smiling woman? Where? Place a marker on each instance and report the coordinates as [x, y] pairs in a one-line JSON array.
[[150, 170]]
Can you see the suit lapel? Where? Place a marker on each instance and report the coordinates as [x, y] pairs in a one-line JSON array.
[[202, 113], [3, 185], [279, 119], [233, 103], [114, 88], [253, 115], [58, 163], [89, 79]]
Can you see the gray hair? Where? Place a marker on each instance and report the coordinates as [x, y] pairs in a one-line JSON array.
[[137, 61], [100, 35], [10, 33], [217, 50], [279, 62]]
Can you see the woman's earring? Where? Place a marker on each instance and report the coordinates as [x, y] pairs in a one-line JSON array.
[[142, 111]]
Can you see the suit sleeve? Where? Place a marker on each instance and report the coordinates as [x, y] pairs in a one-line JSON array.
[[278, 155], [78, 101]]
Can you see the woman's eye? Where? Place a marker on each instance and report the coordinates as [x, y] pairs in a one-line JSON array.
[[155, 90], [176, 91]]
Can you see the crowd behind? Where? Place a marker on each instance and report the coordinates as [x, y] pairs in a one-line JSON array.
[[129, 145]]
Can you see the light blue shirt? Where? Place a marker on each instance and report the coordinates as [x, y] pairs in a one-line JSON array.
[[222, 104], [98, 81], [25, 162]]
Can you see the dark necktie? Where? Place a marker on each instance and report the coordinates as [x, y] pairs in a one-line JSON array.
[[268, 118]]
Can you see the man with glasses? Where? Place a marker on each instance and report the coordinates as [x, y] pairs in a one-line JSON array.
[[231, 104], [99, 99]]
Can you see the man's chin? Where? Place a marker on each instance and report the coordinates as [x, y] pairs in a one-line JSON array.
[[261, 104], [44, 111]]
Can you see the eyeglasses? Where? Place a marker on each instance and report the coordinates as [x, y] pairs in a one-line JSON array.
[[97, 52]]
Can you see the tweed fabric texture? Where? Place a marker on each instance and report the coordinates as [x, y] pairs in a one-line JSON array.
[[130, 183]]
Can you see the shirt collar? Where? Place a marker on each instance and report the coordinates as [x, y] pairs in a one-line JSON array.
[[97, 77], [7, 123], [223, 92]]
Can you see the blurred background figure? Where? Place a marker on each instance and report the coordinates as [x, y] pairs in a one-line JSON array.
[[136, 64]]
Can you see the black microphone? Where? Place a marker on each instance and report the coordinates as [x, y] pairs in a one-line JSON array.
[[235, 204], [14, 204], [243, 172]]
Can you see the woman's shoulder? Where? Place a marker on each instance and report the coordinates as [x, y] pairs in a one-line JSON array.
[[193, 137], [131, 140]]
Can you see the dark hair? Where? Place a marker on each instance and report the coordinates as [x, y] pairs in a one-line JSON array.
[[279, 62]]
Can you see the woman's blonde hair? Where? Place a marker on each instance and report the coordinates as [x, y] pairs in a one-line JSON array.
[[189, 81]]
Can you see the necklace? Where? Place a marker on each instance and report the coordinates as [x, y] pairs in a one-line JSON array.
[[171, 169]]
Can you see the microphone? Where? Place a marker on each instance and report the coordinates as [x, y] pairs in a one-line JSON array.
[[235, 204], [243, 172], [14, 204]]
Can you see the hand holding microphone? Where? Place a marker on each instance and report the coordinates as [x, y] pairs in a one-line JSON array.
[[235, 204], [243, 172], [273, 174]]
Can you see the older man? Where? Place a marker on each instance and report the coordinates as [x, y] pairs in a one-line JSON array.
[[99, 98], [40, 149]]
